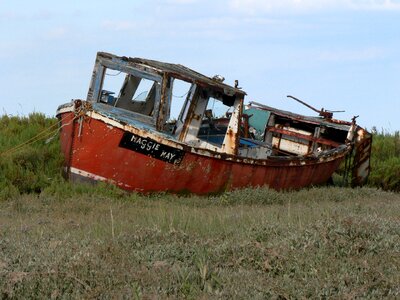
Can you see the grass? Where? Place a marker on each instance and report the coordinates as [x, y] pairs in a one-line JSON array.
[[317, 243], [59, 240]]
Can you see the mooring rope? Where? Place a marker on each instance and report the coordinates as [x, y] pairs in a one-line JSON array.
[[41, 135]]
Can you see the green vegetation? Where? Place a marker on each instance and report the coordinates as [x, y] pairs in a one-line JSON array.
[[33, 167], [59, 240], [385, 161]]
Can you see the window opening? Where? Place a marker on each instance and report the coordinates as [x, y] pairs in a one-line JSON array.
[[179, 105], [180, 92], [143, 90], [112, 84], [215, 122], [129, 92]]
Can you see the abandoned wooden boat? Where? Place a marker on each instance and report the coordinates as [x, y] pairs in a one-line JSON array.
[[126, 133]]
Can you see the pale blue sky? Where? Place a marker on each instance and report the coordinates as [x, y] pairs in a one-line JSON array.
[[340, 55]]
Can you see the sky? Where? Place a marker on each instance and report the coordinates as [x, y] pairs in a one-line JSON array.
[[336, 55]]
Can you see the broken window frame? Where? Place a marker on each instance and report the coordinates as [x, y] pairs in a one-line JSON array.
[[196, 111], [197, 107], [98, 76]]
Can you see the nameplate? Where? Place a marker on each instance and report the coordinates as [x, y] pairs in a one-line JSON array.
[[151, 148]]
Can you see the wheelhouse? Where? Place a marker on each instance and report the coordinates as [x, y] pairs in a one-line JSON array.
[[171, 99]]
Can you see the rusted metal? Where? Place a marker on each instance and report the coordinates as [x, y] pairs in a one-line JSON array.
[[340, 124], [196, 173], [328, 114], [161, 119], [362, 157], [245, 118], [119, 142], [321, 112], [231, 141], [304, 137]]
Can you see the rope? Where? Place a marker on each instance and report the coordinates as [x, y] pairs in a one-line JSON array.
[[108, 74], [41, 135], [175, 96]]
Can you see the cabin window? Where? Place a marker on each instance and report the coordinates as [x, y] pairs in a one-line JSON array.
[[180, 99], [126, 91], [215, 121], [143, 90], [113, 81], [218, 109]]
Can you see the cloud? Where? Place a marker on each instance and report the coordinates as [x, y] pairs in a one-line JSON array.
[[57, 33], [181, 1], [354, 55], [304, 6], [119, 25], [17, 16], [222, 28]]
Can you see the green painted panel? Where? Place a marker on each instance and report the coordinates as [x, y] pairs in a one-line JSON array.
[[258, 120]]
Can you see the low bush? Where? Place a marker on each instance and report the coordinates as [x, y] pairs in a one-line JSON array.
[[28, 168], [385, 161]]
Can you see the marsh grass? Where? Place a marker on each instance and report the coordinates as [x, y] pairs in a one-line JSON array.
[[298, 244]]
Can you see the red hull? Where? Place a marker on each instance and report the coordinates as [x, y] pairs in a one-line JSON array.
[[92, 152]]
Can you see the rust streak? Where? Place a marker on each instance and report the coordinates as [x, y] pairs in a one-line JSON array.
[[303, 136]]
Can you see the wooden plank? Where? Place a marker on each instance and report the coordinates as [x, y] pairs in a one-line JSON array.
[[303, 136]]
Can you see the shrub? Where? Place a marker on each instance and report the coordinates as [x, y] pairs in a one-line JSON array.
[[385, 161], [31, 167]]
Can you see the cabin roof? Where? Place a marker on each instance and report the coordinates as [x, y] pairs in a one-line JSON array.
[[181, 72]]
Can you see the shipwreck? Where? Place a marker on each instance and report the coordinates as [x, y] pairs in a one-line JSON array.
[[139, 135]]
